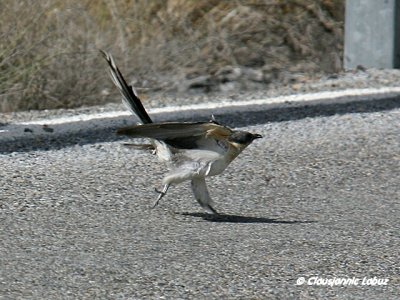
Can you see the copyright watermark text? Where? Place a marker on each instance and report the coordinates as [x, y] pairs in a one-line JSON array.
[[342, 281]]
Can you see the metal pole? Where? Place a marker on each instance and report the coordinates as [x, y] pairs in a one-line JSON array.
[[372, 32]]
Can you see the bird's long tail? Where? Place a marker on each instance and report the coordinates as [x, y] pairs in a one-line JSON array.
[[129, 96]]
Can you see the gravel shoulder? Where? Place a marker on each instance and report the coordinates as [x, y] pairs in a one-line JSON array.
[[291, 84]]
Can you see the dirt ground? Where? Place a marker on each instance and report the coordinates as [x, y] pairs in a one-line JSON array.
[[49, 50]]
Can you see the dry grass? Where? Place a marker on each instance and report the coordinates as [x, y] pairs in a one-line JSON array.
[[49, 48]]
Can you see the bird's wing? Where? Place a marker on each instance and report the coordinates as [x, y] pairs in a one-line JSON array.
[[180, 135]]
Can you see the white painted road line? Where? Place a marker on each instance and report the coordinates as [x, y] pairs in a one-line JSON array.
[[320, 96]]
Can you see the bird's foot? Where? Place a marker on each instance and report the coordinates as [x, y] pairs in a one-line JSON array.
[[211, 209], [161, 194]]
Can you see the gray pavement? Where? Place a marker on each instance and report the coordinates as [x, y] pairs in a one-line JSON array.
[[318, 196]]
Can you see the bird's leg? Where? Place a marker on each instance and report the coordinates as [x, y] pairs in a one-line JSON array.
[[161, 194]]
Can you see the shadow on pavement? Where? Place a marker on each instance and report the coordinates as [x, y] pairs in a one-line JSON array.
[[226, 218], [102, 130]]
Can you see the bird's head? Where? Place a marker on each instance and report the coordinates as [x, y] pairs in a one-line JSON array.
[[241, 139]]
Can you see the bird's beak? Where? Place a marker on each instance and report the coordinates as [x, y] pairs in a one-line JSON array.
[[257, 136]]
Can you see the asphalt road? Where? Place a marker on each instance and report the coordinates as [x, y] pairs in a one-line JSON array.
[[318, 196]]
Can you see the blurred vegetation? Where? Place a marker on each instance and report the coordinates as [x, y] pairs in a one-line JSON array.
[[49, 49]]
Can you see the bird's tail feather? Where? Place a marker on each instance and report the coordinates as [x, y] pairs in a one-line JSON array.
[[129, 96]]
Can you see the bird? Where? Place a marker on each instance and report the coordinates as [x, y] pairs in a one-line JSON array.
[[191, 151]]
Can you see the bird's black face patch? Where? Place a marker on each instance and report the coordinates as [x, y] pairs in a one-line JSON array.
[[243, 137]]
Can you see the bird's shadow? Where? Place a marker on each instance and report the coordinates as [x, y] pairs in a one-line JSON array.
[[227, 218]]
